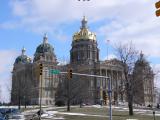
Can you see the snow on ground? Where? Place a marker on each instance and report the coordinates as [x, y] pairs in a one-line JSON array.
[[141, 111], [51, 114], [131, 119], [80, 114], [97, 106]]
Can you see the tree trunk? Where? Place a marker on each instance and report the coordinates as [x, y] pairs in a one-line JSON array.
[[130, 105], [130, 108], [129, 93], [68, 105], [130, 99]]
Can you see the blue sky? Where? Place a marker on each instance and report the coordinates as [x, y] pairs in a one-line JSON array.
[[24, 22]]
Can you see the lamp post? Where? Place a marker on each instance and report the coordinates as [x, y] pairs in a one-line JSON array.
[[101, 93], [107, 47]]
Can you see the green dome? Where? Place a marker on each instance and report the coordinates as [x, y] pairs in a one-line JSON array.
[[23, 59], [44, 51], [43, 48]]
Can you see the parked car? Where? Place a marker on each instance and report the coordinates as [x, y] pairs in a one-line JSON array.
[[14, 114], [2, 117]]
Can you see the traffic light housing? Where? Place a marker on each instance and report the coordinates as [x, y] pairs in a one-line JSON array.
[[70, 73], [40, 69], [157, 5], [158, 12]]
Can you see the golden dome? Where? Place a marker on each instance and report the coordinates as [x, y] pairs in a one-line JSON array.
[[84, 33]]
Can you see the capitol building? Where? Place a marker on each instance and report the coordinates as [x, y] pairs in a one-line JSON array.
[[84, 58]]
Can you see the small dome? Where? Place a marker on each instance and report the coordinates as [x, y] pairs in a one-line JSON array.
[[23, 58], [45, 51], [42, 48], [45, 46]]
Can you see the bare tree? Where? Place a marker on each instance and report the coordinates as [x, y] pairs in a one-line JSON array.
[[72, 90], [127, 54]]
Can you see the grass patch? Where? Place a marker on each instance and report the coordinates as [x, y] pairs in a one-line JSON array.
[[67, 117], [117, 115]]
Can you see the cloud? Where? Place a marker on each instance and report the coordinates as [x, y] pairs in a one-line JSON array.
[[137, 24], [34, 13], [126, 20], [6, 64]]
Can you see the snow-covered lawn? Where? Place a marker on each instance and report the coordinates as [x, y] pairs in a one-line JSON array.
[[80, 114]]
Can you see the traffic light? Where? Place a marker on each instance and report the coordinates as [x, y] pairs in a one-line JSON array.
[[70, 73], [40, 69], [157, 5]]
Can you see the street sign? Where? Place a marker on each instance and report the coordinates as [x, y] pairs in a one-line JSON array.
[[54, 71]]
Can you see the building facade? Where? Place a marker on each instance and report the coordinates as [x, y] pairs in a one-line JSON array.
[[84, 59], [143, 82], [27, 84]]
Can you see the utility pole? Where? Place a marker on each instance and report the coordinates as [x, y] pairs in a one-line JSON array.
[[19, 94], [107, 47], [101, 92], [69, 75], [110, 98]]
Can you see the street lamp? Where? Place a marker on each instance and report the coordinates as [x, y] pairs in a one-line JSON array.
[[107, 47]]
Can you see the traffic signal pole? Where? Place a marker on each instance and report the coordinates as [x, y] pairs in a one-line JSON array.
[[69, 75], [40, 107], [110, 98], [40, 102], [68, 92]]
